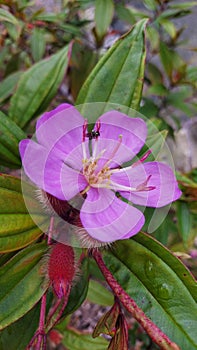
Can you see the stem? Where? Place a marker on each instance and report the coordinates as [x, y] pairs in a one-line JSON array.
[[40, 334], [53, 318], [151, 329], [50, 231]]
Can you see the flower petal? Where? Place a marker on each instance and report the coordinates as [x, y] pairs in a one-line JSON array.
[[61, 128], [160, 176], [107, 218], [49, 172], [133, 133]]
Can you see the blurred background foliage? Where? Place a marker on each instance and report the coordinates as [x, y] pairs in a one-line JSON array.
[[73, 35]]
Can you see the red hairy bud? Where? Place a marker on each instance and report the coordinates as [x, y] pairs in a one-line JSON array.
[[61, 268]]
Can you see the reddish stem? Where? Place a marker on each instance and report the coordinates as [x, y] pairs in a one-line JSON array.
[[51, 320], [50, 231], [40, 335], [151, 329]]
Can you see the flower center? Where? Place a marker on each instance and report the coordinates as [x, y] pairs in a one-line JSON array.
[[102, 178]]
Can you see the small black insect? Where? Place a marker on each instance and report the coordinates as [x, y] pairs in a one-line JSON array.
[[94, 134]]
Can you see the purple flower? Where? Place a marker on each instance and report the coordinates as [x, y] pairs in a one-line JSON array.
[[67, 159]]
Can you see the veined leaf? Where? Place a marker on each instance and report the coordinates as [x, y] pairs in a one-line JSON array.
[[8, 85], [19, 333], [10, 135], [17, 229], [21, 284], [37, 86], [118, 76], [160, 284]]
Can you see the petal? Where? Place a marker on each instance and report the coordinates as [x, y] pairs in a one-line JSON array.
[[161, 177], [61, 128], [48, 172], [46, 116], [107, 218], [132, 130]]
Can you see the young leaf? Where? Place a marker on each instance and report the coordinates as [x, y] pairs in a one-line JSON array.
[[103, 16], [184, 220], [38, 44], [21, 284], [37, 86], [10, 135], [118, 76], [160, 284]]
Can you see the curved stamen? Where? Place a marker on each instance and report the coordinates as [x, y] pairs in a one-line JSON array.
[[114, 152]]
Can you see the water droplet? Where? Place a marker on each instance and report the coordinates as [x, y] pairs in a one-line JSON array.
[[165, 291], [149, 269]]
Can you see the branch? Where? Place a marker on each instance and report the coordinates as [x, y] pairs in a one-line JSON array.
[[151, 329]]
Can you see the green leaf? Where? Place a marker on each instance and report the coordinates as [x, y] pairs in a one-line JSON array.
[[37, 86], [168, 26], [183, 5], [173, 13], [10, 135], [17, 229], [154, 38], [6, 16], [172, 62], [118, 76], [21, 284], [51, 17], [37, 44], [157, 90], [98, 294], [178, 99], [184, 220], [160, 284], [154, 74], [150, 4], [124, 14], [191, 75], [8, 85], [79, 341], [19, 333], [103, 16]]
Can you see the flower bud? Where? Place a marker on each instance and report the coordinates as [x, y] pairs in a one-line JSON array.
[[61, 268]]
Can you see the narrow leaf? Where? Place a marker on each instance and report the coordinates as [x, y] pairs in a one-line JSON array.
[[21, 284], [103, 16], [37, 86], [10, 135], [184, 220], [8, 85], [118, 76], [38, 44], [7, 17], [17, 229]]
